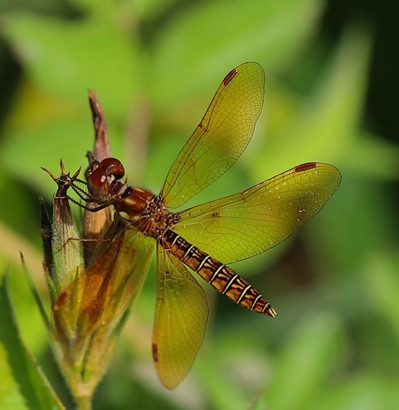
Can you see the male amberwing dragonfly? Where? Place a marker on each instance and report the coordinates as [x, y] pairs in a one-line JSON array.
[[208, 237]]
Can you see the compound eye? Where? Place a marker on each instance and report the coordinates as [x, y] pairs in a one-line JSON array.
[[97, 183], [92, 167], [112, 166]]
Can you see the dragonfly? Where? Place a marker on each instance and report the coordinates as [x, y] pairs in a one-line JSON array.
[[206, 238]]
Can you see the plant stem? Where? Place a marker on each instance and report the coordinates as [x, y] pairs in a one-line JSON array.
[[83, 402]]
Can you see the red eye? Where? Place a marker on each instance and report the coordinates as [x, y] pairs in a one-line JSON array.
[[97, 176], [97, 183], [112, 166], [94, 164]]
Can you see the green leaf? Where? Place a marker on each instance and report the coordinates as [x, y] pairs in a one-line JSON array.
[[375, 157], [305, 362], [381, 274], [209, 39], [365, 391], [326, 127], [149, 8], [23, 385], [66, 57], [229, 374]]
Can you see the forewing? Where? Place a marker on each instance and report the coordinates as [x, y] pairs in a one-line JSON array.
[[220, 138], [242, 225], [180, 320]]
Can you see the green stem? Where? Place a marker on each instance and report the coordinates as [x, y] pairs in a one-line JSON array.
[[83, 402]]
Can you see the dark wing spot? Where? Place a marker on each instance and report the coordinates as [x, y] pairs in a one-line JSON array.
[[155, 353], [229, 77], [305, 167]]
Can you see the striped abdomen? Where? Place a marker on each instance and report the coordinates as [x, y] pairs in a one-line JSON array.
[[220, 276]]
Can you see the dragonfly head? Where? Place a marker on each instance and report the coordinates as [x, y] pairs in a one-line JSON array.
[[101, 175]]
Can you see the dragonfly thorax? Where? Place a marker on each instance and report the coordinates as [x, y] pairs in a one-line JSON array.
[[146, 211]]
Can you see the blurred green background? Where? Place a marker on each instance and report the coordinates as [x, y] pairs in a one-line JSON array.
[[331, 91]]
